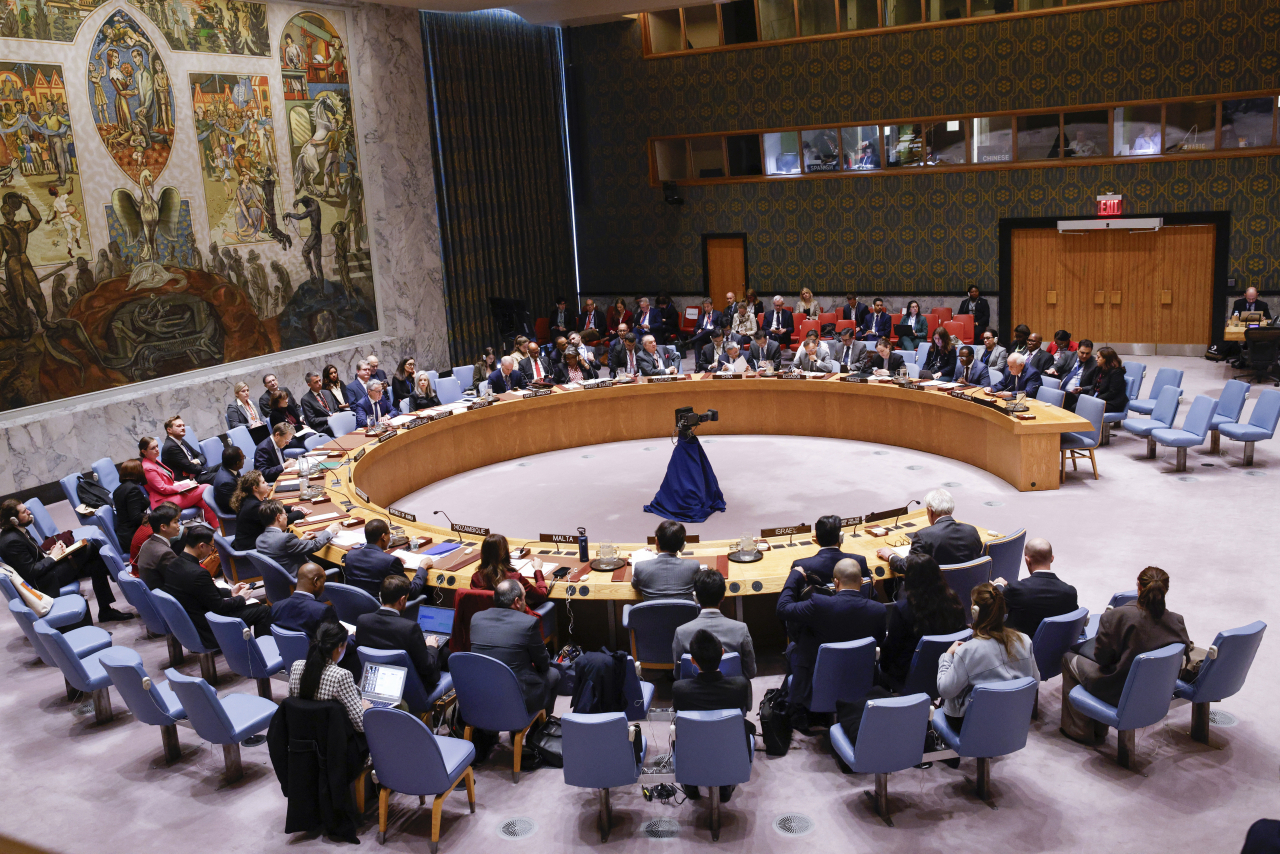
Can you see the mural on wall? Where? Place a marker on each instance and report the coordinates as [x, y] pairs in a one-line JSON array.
[[211, 26], [45, 21], [169, 285]]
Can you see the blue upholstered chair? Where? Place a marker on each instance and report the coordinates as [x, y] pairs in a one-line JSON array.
[[730, 665], [241, 438], [211, 449], [404, 406], [963, 577], [638, 693], [1260, 426], [995, 724], [1131, 387], [69, 484], [184, 632], [83, 641], [136, 594], [69, 609], [83, 674], [408, 758], [913, 370], [465, 375], [908, 356], [1165, 378], [995, 375], [1051, 396], [114, 563], [449, 390], [1078, 445], [44, 524], [922, 352], [1230, 405], [712, 749], [191, 437], [152, 704], [291, 645], [247, 656], [234, 563], [1195, 429], [1148, 691], [350, 602], [416, 696], [1054, 637], [1124, 597], [105, 520], [275, 578], [227, 721], [1221, 674], [315, 440], [652, 626], [890, 738], [922, 678], [1162, 417], [843, 671], [1135, 371], [1051, 383], [489, 698], [342, 423], [224, 514], [598, 754], [108, 476], [1006, 555]]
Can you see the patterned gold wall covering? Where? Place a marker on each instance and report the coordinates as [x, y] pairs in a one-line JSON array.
[[921, 232]]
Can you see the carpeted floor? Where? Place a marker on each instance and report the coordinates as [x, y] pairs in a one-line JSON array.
[[82, 787]]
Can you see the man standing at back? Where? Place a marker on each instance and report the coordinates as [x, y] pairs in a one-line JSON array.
[[827, 534], [1041, 594], [946, 540], [666, 576], [506, 632], [731, 635]]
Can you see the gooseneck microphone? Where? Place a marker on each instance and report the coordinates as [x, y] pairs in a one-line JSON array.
[[445, 515], [904, 510]]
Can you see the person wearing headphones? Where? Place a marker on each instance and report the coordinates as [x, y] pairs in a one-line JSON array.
[[829, 537], [368, 566], [190, 583]]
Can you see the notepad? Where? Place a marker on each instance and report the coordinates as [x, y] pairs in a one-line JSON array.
[[401, 420], [411, 559], [900, 551], [349, 537]]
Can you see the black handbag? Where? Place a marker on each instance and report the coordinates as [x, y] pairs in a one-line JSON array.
[[775, 722], [91, 493], [545, 743]]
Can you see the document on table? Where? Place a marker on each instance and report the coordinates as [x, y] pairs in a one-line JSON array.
[[411, 559], [525, 567], [642, 554], [930, 383], [901, 551], [349, 537], [401, 420]]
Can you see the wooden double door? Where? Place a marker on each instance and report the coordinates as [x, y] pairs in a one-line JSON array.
[[1116, 286]]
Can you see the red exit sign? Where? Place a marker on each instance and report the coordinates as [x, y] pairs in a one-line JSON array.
[[1110, 205]]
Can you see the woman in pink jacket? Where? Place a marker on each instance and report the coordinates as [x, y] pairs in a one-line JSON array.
[[162, 487]]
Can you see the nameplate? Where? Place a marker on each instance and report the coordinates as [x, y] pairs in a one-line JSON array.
[[360, 492], [785, 532], [558, 538], [539, 392], [726, 376], [479, 404], [400, 514], [472, 529], [598, 384], [689, 538], [666, 379], [793, 376], [438, 415], [359, 455], [417, 422], [851, 522], [850, 378], [386, 436]]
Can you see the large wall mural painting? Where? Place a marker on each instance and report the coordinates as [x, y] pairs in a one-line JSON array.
[[37, 19], [215, 240]]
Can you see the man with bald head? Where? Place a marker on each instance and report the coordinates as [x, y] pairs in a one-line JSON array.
[[506, 377], [1038, 357], [303, 611], [823, 618], [1041, 594]]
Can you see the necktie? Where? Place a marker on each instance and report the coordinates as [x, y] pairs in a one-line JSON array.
[[848, 356], [323, 402], [537, 368], [985, 355], [591, 320], [183, 445], [631, 361], [1066, 383], [279, 456]]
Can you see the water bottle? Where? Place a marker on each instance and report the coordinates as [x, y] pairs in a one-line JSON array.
[[582, 545]]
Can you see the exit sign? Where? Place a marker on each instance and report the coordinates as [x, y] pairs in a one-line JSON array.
[[1110, 205]]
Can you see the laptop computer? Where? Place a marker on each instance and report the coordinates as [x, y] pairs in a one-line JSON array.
[[382, 685], [436, 621]]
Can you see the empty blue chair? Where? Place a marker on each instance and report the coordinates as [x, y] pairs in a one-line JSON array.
[[408, 758], [291, 645], [637, 693], [247, 656], [69, 484], [1077, 445], [1148, 691], [449, 390], [152, 704], [1051, 383], [1230, 405], [1131, 386], [108, 476], [105, 518], [211, 449], [234, 563], [1195, 428], [275, 578], [712, 749], [995, 724], [1222, 674], [908, 356], [404, 406], [465, 375], [114, 563], [843, 672], [730, 665], [83, 641], [191, 438], [922, 352], [1165, 378], [342, 423], [653, 625], [1261, 425], [83, 674], [44, 524], [184, 632], [1054, 637], [489, 698], [890, 738], [913, 370], [996, 376], [316, 440], [1051, 396], [1006, 555], [1161, 418], [350, 602], [241, 438], [69, 609], [923, 676], [226, 721], [416, 696], [1135, 371], [225, 516], [963, 577], [136, 594], [598, 754]]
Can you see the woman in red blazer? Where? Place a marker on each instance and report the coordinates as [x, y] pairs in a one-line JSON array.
[[160, 483], [616, 314]]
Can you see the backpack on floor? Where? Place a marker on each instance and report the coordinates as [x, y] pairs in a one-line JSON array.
[[775, 722]]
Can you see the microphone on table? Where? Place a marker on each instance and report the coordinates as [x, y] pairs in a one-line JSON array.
[[445, 515], [904, 510]]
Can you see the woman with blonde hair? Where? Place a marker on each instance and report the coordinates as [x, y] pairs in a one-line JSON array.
[[807, 305]]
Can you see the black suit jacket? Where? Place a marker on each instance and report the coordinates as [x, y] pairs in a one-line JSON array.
[[707, 358], [895, 362], [526, 368], [499, 382], [711, 691], [1040, 359], [1242, 305], [857, 315], [385, 629], [179, 463], [266, 461], [601, 325], [131, 505], [315, 414], [19, 549], [302, 612], [1110, 386], [823, 564], [264, 404], [189, 583], [981, 311], [772, 353], [785, 322], [367, 566], [248, 525], [224, 486], [1029, 600], [618, 356], [948, 541]]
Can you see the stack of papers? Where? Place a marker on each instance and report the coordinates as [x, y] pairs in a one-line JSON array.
[[349, 537], [322, 517], [411, 559], [930, 383], [401, 420], [642, 554]]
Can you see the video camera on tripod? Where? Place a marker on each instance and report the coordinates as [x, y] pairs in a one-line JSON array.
[[687, 420]]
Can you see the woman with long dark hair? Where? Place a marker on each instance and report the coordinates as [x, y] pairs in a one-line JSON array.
[[318, 676], [330, 380], [919, 327], [941, 361], [402, 383], [130, 502], [618, 313], [496, 567], [997, 653], [485, 365], [925, 606], [1109, 384]]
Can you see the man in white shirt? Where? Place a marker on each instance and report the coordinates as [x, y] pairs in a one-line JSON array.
[[653, 361]]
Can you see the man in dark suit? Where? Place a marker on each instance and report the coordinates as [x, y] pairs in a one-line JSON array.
[[357, 389], [854, 310], [268, 457], [848, 351], [779, 324], [763, 348], [1037, 356], [506, 377], [318, 405], [228, 474], [877, 324], [157, 551], [506, 632], [946, 540], [653, 362], [648, 321], [978, 306], [969, 370], [374, 405], [304, 611], [190, 583], [48, 572], [827, 534], [182, 459], [369, 566], [709, 354], [667, 576], [846, 616], [1041, 594], [592, 318], [709, 691], [1020, 378], [728, 359], [1250, 302], [1080, 378], [535, 367], [271, 384], [561, 319], [624, 353], [708, 321], [375, 372], [387, 628]]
